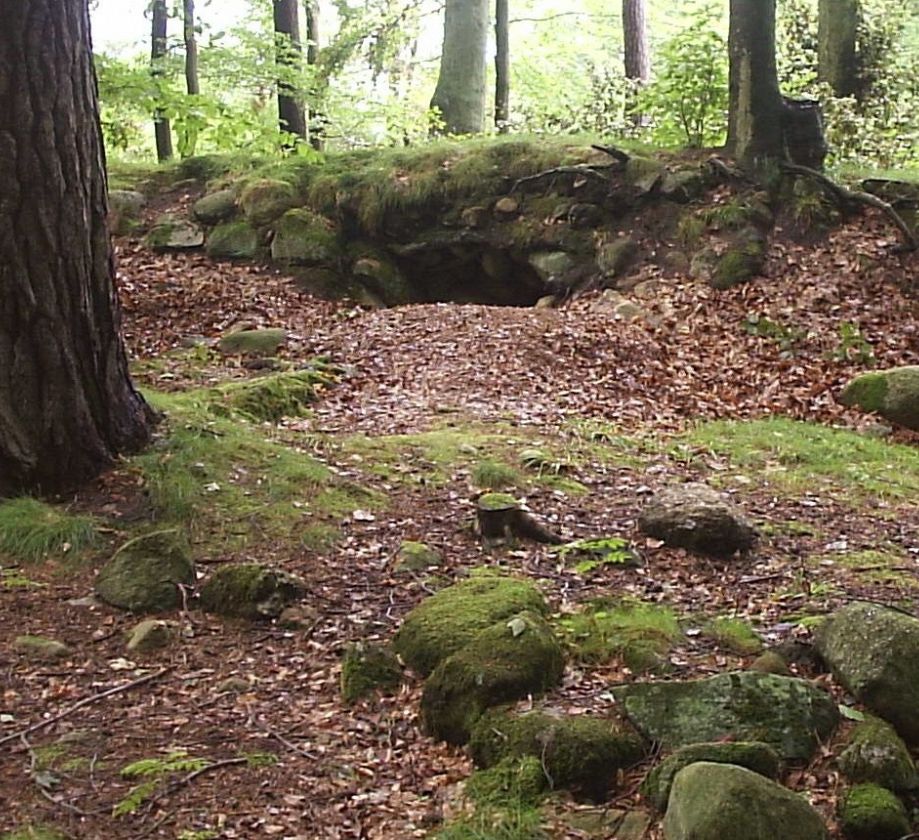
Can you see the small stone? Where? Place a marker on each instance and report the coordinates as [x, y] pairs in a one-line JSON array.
[[215, 207], [233, 685], [507, 206], [297, 618], [151, 635], [265, 342], [250, 590], [474, 217], [546, 302], [415, 557], [367, 668], [41, 648], [770, 663], [173, 234]]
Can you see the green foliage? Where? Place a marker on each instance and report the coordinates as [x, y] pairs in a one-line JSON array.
[[494, 475], [596, 553], [151, 770], [852, 346], [520, 822], [787, 337], [31, 530]]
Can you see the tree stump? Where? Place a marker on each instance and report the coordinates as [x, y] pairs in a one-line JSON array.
[[500, 517]]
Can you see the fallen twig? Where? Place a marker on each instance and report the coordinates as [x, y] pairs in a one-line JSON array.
[[587, 171]]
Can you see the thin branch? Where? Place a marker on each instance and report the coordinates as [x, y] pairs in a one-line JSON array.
[[590, 172]]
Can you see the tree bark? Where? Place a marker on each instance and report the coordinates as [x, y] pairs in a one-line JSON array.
[[158, 45], [67, 406], [460, 91], [755, 114], [192, 85], [291, 117], [837, 62], [315, 121], [635, 41], [502, 66]]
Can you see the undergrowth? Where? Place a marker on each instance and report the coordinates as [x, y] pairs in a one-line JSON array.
[[31, 530]]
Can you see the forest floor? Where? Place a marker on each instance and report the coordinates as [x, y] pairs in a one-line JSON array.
[[434, 403]]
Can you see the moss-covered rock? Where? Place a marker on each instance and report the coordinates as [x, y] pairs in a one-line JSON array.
[[683, 185], [174, 234], [515, 780], [269, 398], [875, 753], [874, 652], [302, 237], [741, 262], [145, 574], [125, 208], [233, 241], [580, 753], [789, 714], [514, 658], [266, 199], [893, 393], [215, 207], [41, 648], [615, 257], [250, 590], [870, 812], [266, 342], [552, 265], [366, 668], [770, 662], [711, 801], [754, 755], [416, 556], [151, 635], [377, 273], [450, 619]]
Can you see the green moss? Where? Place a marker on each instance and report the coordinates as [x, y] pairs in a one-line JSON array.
[[496, 501], [303, 237], [265, 342], [870, 812], [514, 779], [270, 398], [735, 634], [31, 530], [876, 753], [490, 823], [249, 590], [580, 753], [40, 648], [868, 392], [265, 199], [494, 475], [232, 241], [416, 556], [366, 669], [740, 263], [446, 622]]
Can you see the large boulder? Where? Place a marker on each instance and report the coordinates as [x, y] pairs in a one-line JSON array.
[[146, 573], [789, 714], [250, 590], [581, 753], [233, 241], [514, 658], [450, 619], [711, 801], [893, 393], [215, 207], [698, 518], [875, 753], [874, 652], [302, 237]]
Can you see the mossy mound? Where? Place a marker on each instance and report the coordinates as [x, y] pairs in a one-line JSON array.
[[450, 619], [264, 342], [376, 271], [250, 590], [232, 241], [579, 753], [875, 753], [145, 574], [266, 199], [754, 755], [893, 393], [416, 556], [870, 812], [302, 237], [511, 659], [741, 262], [269, 398], [215, 207], [513, 780], [368, 668], [40, 648]]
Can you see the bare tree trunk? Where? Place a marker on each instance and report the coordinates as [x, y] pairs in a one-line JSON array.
[[502, 66], [635, 41], [314, 127], [755, 116], [291, 117], [460, 91], [67, 406], [837, 62], [192, 84], [158, 45]]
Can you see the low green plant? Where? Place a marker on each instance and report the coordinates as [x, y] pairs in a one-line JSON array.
[[520, 822], [152, 771], [596, 553], [852, 346], [735, 634], [494, 475], [31, 530], [785, 336]]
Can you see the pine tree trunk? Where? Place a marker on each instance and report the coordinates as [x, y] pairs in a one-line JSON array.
[[291, 117], [460, 91], [158, 45], [67, 406], [837, 63], [755, 116], [502, 66]]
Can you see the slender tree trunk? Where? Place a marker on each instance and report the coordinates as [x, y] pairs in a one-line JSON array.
[[837, 62], [502, 66], [635, 41], [192, 84], [460, 91], [755, 115], [67, 406], [158, 46], [291, 117], [314, 127]]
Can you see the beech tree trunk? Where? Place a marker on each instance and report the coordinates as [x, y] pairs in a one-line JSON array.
[[192, 85], [158, 45], [755, 114], [315, 119], [635, 41], [502, 66], [67, 406], [837, 63], [291, 117], [460, 91]]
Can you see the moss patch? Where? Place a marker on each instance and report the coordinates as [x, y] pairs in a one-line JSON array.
[[875, 753], [265, 199], [271, 398], [733, 634], [249, 590], [870, 812], [368, 668]]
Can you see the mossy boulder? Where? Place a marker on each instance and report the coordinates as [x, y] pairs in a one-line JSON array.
[[266, 342], [615, 257], [41, 648], [875, 753], [789, 714], [580, 753], [743, 260], [516, 657], [302, 237], [380, 275], [215, 207], [683, 185], [870, 812], [450, 619], [250, 590], [266, 199], [893, 393], [552, 265], [696, 517], [125, 208], [146, 573], [874, 652], [233, 241], [366, 668], [512, 781], [151, 635], [174, 234], [754, 755], [416, 556], [710, 801], [269, 398]]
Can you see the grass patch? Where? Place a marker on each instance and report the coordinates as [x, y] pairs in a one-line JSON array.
[[493, 475], [638, 634], [790, 454], [735, 634], [31, 531], [519, 822]]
